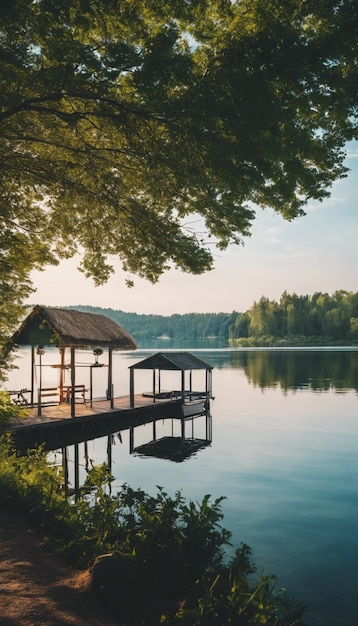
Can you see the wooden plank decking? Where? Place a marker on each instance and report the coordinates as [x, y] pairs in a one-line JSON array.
[[55, 412], [56, 428]]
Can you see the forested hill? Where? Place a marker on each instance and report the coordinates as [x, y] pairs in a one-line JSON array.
[[320, 319], [187, 326]]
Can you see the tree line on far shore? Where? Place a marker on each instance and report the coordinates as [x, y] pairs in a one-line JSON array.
[[318, 319]]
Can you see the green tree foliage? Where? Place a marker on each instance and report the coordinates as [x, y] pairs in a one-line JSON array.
[[320, 318], [142, 130]]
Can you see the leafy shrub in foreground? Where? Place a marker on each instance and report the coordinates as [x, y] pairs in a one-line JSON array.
[[8, 409]]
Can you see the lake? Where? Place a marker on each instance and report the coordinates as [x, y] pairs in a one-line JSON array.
[[283, 453]]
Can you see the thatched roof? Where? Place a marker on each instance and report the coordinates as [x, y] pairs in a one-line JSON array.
[[172, 361], [64, 328]]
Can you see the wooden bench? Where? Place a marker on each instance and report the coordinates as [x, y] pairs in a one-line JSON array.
[[79, 390], [49, 392]]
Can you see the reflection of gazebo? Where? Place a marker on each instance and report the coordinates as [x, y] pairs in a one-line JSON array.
[[71, 329], [174, 361], [174, 449]]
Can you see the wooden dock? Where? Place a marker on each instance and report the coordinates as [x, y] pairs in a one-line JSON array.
[[55, 427]]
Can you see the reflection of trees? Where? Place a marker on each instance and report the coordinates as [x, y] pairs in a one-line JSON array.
[[315, 369]]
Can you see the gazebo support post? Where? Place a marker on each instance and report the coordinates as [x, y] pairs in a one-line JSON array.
[[73, 382], [32, 375], [131, 388], [110, 384], [208, 383], [62, 371]]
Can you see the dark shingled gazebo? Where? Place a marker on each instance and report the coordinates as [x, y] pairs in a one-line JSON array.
[[177, 361], [66, 328]]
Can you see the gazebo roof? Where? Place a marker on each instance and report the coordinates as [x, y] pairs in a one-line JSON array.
[[70, 328], [172, 361]]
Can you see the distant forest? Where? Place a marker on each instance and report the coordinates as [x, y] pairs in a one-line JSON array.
[[320, 319], [188, 326]]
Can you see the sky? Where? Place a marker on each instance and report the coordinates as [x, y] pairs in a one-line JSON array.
[[317, 252]]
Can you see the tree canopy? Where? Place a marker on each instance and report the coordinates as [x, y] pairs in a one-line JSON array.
[[149, 132]]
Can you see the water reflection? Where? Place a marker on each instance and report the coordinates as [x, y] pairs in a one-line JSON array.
[[284, 455], [171, 447], [317, 370], [172, 439]]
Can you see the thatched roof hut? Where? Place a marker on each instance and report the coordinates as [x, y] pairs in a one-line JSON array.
[[70, 328], [67, 328]]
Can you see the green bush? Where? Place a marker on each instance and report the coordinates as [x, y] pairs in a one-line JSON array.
[[8, 409]]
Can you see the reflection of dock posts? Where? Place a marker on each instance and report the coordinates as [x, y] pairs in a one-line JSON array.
[[86, 456], [65, 469], [131, 439], [183, 427], [109, 452], [77, 471], [209, 432], [154, 430]]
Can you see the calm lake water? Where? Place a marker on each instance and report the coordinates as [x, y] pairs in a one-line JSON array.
[[283, 452]]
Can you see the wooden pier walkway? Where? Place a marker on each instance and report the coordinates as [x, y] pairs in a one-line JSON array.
[[100, 406], [56, 428]]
